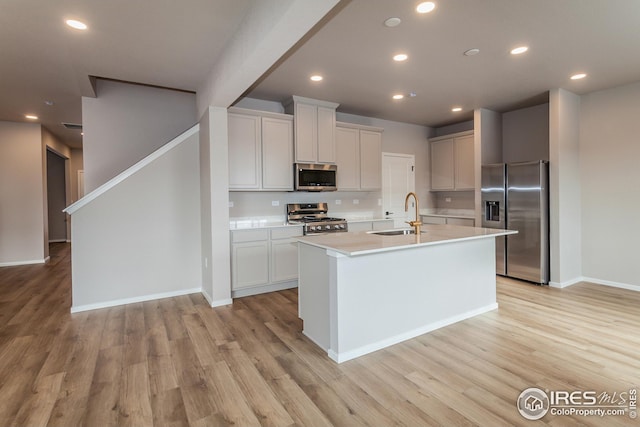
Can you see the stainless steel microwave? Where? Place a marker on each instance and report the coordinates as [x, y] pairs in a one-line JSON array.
[[315, 177]]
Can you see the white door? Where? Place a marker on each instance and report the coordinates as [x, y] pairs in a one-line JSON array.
[[398, 179]]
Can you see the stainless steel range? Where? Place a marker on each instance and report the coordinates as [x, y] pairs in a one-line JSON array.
[[315, 219]]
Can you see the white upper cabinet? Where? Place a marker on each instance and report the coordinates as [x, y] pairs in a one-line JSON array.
[[277, 154], [452, 162], [348, 158], [245, 151], [260, 150], [314, 129], [370, 160], [359, 157]]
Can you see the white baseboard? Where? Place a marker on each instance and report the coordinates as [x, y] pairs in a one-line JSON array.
[[366, 349], [566, 283], [27, 262], [216, 303], [264, 289], [612, 284], [143, 298]]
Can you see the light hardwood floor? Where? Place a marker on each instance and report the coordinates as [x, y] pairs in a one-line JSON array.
[[177, 361]]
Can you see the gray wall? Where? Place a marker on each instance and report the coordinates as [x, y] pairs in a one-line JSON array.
[[610, 184], [127, 122], [140, 239], [56, 197], [22, 215], [525, 134]]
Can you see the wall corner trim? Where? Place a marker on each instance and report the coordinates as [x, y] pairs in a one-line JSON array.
[[566, 283], [132, 170]]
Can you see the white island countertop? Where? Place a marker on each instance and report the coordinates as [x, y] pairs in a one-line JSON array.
[[364, 243]]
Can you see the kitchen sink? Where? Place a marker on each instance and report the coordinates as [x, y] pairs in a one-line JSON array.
[[396, 232]]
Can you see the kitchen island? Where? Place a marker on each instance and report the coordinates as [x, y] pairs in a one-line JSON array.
[[361, 292]]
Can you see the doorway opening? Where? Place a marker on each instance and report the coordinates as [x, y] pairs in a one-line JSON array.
[[398, 179], [56, 197]]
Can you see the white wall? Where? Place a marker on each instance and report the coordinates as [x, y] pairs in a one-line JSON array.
[[22, 195], [610, 183], [141, 239], [564, 188], [127, 122], [525, 134]]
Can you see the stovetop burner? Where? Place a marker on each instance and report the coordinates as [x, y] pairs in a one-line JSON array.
[[314, 217]]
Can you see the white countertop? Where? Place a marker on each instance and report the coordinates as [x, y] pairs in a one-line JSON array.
[[363, 243]]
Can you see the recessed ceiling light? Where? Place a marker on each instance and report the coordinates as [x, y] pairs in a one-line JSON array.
[[78, 25], [316, 78], [425, 7], [456, 109], [49, 103], [392, 22], [472, 52], [518, 50], [398, 96], [400, 57], [578, 76], [31, 116]]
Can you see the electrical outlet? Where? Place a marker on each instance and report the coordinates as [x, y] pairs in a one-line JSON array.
[[379, 202], [230, 204], [206, 262], [275, 203], [447, 199], [338, 202], [356, 201]]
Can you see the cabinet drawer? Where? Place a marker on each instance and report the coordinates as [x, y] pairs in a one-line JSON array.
[[359, 226], [285, 233], [238, 236], [426, 219], [382, 225], [461, 221]]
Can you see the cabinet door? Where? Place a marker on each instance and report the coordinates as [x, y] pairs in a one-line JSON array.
[[326, 126], [427, 219], [284, 260], [348, 158], [306, 122], [244, 152], [370, 160], [250, 265], [461, 221], [442, 168], [360, 226], [464, 169], [277, 154]]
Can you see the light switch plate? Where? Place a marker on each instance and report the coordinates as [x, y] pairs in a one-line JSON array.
[[356, 201], [338, 202], [275, 203]]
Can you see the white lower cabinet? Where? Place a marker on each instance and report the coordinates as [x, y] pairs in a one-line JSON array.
[[263, 260], [250, 264]]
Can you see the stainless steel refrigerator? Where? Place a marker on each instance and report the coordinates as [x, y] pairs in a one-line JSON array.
[[515, 196]]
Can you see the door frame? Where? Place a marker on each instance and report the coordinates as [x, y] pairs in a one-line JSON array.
[[412, 180]]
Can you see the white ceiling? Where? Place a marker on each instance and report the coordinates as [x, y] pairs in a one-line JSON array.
[[175, 44], [158, 42], [353, 51]]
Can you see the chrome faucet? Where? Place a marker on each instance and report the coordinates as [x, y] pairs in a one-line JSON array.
[[417, 223]]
